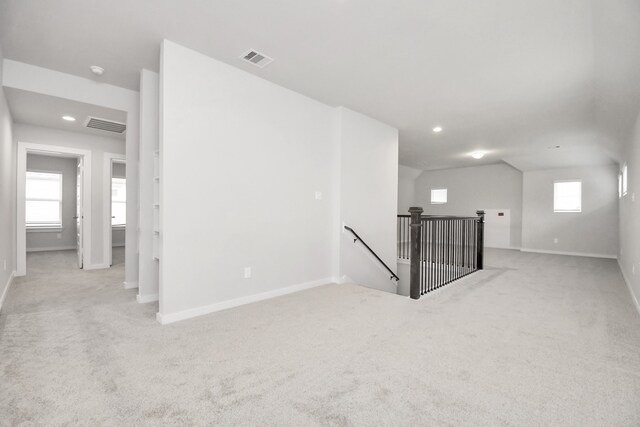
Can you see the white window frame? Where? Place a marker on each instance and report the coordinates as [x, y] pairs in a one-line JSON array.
[[625, 179], [42, 226], [446, 196], [555, 209], [619, 184]]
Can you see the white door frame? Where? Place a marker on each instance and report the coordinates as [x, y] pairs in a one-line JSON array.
[[107, 171], [21, 229]]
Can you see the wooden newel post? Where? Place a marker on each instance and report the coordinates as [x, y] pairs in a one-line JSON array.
[[480, 242], [414, 278]]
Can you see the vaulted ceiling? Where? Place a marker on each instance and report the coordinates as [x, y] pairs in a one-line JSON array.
[[513, 78]]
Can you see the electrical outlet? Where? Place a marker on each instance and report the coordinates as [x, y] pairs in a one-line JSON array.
[[59, 236], [555, 240], [633, 269], [318, 195], [633, 197], [247, 272], [5, 265]]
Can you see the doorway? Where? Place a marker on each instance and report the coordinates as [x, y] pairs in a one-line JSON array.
[[53, 202], [497, 228]]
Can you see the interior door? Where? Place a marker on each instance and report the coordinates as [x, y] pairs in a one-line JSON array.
[[497, 228], [79, 213]]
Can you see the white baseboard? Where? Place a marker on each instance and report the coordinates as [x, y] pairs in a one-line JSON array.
[[143, 299], [628, 282], [95, 266], [584, 254], [224, 305], [6, 288], [342, 280], [132, 285], [52, 248]]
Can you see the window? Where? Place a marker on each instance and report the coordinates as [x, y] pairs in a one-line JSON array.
[[567, 196], [438, 196], [619, 184], [118, 202], [43, 199], [625, 179]]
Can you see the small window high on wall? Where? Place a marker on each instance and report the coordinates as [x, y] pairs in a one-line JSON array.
[[567, 196], [118, 202], [438, 196], [43, 200]]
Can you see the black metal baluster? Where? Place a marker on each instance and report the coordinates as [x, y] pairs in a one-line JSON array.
[[455, 248], [433, 254], [422, 275], [448, 278], [441, 257], [475, 258]]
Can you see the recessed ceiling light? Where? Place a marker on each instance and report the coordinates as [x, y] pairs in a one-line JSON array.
[[98, 71], [477, 154], [437, 129], [69, 118]]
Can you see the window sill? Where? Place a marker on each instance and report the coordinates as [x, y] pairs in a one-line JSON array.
[[118, 227], [52, 229]]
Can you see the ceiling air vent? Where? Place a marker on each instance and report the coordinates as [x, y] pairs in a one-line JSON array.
[[104, 124], [256, 58]]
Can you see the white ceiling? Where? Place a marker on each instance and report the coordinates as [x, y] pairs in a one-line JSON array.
[[512, 77], [43, 110]]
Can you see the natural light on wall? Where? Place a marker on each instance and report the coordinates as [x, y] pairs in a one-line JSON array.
[[118, 201], [567, 196], [43, 196], [438, 196]]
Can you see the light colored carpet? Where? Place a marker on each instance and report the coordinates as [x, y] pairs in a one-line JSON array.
[[533, 340]]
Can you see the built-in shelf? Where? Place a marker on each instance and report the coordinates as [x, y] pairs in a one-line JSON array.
[[156, 205]]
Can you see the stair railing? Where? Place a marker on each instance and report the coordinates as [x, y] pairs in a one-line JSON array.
[[441, 249]]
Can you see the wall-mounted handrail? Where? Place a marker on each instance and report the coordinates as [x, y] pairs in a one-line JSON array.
[[393, 275]]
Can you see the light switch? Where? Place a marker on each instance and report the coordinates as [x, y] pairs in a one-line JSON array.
[[247, 272], [318, 195]]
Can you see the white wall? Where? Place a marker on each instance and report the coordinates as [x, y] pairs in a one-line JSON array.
[[119, 170], [255, 175], [629, 254], [469, 189], [368, 198], [7, 194], [43, 240], [407, 188], [98, 146], [242, 159], [149, 128], [592, 231]]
